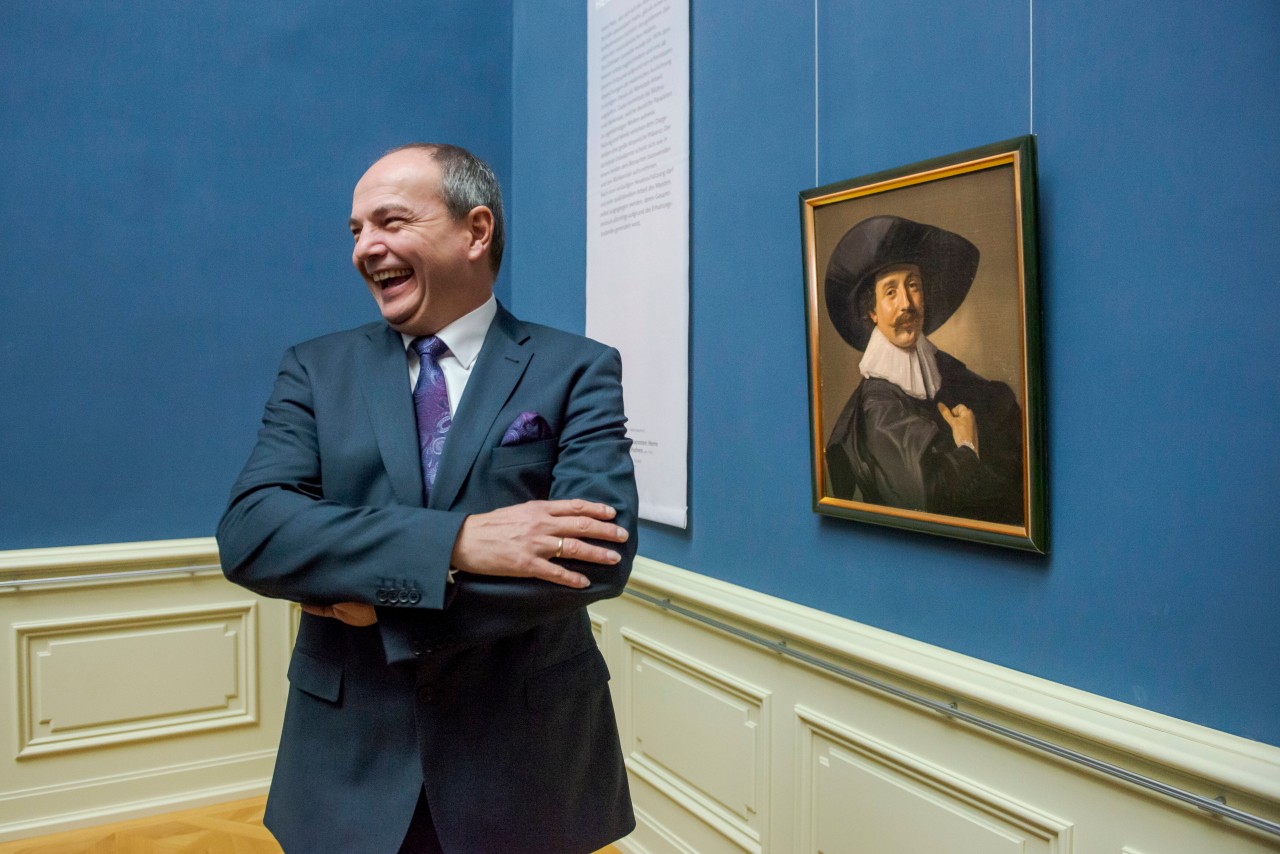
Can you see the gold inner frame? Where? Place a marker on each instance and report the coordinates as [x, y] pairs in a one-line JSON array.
[[1010, 158]]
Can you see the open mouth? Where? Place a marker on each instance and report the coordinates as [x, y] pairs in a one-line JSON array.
[[391, 277]]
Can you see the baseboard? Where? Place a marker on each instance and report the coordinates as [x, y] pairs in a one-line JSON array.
[[189, 786]]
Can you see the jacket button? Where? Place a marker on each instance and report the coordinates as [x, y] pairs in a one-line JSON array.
[[414, 597], [382, 595]]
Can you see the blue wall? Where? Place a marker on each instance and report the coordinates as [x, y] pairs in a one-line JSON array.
[[1160, 210], [177, 182]]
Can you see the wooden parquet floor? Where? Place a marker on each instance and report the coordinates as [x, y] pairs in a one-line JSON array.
[[231, 828]]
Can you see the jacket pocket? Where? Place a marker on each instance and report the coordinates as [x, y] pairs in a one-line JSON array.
[[576, 675], [319, 677], [528, 453]]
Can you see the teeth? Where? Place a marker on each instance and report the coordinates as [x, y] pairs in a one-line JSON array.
[[383, 275]]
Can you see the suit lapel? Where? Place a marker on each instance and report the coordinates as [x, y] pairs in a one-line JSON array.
[[498, 369], [385, 382]]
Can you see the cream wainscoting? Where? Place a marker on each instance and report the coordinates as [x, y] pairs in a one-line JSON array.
[[136, 680], [735, 747]]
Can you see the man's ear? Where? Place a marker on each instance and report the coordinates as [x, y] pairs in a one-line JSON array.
[[480, 225]]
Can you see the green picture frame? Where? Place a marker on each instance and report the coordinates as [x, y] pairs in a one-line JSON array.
[[922, 312]]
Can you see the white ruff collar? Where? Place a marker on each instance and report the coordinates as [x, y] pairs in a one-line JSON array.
[[915, 371]]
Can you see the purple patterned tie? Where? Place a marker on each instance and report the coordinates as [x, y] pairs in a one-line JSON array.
[[431, 406]]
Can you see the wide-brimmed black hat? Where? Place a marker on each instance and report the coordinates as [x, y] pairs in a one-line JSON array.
[[946, 260]]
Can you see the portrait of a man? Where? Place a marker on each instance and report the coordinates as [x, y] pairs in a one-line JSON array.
[[921, 431], [922, 300]]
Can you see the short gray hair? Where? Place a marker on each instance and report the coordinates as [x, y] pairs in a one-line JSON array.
[[466, 182]]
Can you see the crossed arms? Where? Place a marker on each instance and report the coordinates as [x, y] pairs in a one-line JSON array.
[[329, 535]]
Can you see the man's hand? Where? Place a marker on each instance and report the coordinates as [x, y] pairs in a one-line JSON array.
[[524, 539], [963, 423], [351, 613]]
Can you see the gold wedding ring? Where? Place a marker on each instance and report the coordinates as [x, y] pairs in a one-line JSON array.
[[559, 547]]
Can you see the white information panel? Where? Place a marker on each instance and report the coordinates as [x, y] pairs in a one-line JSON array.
[[638, 230]]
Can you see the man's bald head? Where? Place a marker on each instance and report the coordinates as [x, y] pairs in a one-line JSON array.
[[466, 182]]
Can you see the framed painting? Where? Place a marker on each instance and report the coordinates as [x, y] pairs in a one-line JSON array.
[[922, 316]]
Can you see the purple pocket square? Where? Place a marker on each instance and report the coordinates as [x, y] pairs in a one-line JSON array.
[[528, 427]]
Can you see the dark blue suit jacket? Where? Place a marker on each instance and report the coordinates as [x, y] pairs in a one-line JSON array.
[[488, 691]]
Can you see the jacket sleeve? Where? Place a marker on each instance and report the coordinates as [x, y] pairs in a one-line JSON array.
[[282, 538], [593, 463], [915, 465]]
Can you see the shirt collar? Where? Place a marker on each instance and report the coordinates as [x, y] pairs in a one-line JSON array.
[[465, 336], [915, 371]]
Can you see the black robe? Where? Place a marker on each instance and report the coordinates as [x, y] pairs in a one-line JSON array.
[[895, 450]]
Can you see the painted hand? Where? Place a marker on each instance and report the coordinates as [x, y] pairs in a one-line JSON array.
[[963, 423]]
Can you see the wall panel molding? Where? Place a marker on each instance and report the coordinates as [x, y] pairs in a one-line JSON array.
[[1236, 764], [597, 629], [698, 734], [658, 837], [134, 679], [124, 677], [850, 778], [197, 552], [864, 770]]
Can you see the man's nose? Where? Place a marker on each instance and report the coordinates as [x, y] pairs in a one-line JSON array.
[[367, 246]]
